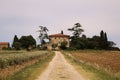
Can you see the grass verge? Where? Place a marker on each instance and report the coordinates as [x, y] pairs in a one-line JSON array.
[[31, 72], [88, 71]]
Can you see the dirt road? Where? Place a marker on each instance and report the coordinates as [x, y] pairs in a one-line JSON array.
[[60, 69]]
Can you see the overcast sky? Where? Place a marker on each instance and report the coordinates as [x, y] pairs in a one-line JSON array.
[[22, 17]]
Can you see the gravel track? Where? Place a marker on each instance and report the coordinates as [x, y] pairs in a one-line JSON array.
[[60, 69]]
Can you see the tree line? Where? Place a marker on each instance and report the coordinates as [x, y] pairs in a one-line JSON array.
[[77, 40], [25, 42], [81, 41]]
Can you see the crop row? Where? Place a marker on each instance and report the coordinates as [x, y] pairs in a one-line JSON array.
[[13, 59]]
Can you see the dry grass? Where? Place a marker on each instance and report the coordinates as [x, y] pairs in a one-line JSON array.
[[106, 60]]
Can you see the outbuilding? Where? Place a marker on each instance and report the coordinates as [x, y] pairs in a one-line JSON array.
[[4, 45]]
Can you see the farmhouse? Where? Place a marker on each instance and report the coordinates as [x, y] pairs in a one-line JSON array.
[[56, 40], [4, 45]]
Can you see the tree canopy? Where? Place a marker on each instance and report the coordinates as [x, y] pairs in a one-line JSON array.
[[76, 29], [27, 42], [77, 40], [43, 36], [83, 42]]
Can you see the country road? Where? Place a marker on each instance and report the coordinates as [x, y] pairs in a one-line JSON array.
[[60, 69]]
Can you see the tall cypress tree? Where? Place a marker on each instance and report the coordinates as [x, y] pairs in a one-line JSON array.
[[16, 44], [106, 39], [15, 40], [103, 40], [102, 36], [62, 32]]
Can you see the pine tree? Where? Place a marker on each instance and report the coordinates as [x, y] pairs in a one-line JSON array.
[[75, 39], [76, 30], [43, 34]]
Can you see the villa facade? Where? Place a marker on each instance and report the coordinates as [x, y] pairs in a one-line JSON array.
[[56, 40]]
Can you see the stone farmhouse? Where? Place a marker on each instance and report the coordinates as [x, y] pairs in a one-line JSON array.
[[56, 40], [4, 45]]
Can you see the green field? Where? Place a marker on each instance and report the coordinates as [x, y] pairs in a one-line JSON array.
[[14, 61]]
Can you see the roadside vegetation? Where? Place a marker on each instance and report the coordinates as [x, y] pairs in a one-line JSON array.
[[14, 61], [102, 65]]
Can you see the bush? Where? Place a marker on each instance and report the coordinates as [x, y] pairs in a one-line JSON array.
[[4, 48], [63, 45], [71, 48]]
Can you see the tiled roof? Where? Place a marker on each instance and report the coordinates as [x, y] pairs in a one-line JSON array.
[[59, 35], [4, 43]]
